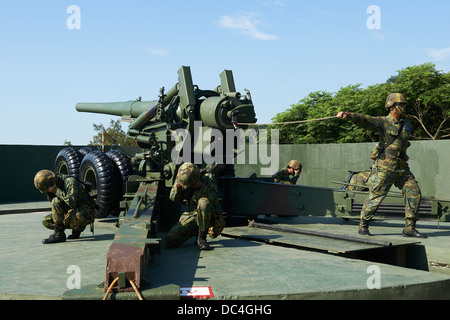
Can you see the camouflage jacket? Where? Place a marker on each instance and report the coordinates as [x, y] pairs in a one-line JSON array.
[[283, 176], [71, 191], [208, 190], [388, 128]]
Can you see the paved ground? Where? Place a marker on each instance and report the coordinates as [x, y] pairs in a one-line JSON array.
[[234, 269], [31, 268]]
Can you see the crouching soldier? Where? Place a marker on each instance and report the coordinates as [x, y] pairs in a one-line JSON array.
[[72, 207], [199, 191], [289, 175]]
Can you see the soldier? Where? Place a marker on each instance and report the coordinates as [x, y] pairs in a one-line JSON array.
[[390, 166], [289, 175], [200, 192], [72, 207]]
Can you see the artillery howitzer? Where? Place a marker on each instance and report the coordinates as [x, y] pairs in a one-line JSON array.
[[153, 124], [137, 187]]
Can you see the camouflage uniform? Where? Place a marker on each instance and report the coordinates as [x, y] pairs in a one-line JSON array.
[[390, 166], [72, 207], [358, 181], [201, 210], [283, 176]]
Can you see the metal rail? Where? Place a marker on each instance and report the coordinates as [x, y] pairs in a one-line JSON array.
[[319, 234]]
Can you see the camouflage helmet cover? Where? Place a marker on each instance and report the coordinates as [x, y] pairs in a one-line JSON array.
[[188, 175], [294, 164], [43, 180], [394, 98]]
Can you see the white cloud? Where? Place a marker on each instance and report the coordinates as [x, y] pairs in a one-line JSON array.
[[158, 52], [325, 13], [378, 35], [246, 24], [275, 3], [279, 3], [439, 54]]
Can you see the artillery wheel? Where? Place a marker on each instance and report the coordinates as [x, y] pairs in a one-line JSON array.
[[68, 162], [85, 150], [98, 169], [123, 165], [124, 169]]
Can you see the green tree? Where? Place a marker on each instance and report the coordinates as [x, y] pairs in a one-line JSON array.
[[428, 93], [298, 133], [426, 89], [113, 135]]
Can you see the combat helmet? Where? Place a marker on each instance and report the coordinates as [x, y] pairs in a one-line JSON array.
[[188, 175], [43, 180], [394, 98], [294, 164]]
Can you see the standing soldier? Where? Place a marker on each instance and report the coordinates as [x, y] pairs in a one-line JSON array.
[[289, 175], [72, 207], [200, 192], [390, 166]]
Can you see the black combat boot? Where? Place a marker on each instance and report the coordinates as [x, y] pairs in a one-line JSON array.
[[364, 228], [57, 236], [201, 240], [74, 235], [410, 230]]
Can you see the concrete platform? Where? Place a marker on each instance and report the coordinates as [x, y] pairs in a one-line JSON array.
[[235, 268], [32, 270]]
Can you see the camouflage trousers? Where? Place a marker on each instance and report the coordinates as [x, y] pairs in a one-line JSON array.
[[205, 218], [359, 180], [381, 180], [67, 218]]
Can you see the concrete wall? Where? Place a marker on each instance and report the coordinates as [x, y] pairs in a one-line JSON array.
[[322, 164], [18, 165]]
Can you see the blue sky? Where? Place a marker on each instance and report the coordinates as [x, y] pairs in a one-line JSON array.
[[281, 50]]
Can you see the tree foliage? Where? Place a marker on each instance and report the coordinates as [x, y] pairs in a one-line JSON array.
[[426, 89], [113, 135]]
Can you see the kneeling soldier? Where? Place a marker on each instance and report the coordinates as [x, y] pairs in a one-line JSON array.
[[72, 207], [202, 217]]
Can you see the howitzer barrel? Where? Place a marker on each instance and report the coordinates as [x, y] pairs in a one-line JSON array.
[[179, 108], [124, 109]]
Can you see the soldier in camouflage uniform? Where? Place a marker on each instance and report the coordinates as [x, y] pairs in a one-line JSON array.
[[390, 166], [72, 207], [290, 174], [199, 191]]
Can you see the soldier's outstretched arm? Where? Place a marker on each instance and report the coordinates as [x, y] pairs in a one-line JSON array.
[[362, 120]]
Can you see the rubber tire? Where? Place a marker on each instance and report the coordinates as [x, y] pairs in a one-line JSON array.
[[98, 169], [123, 165], [85, 150], [68, 161]]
